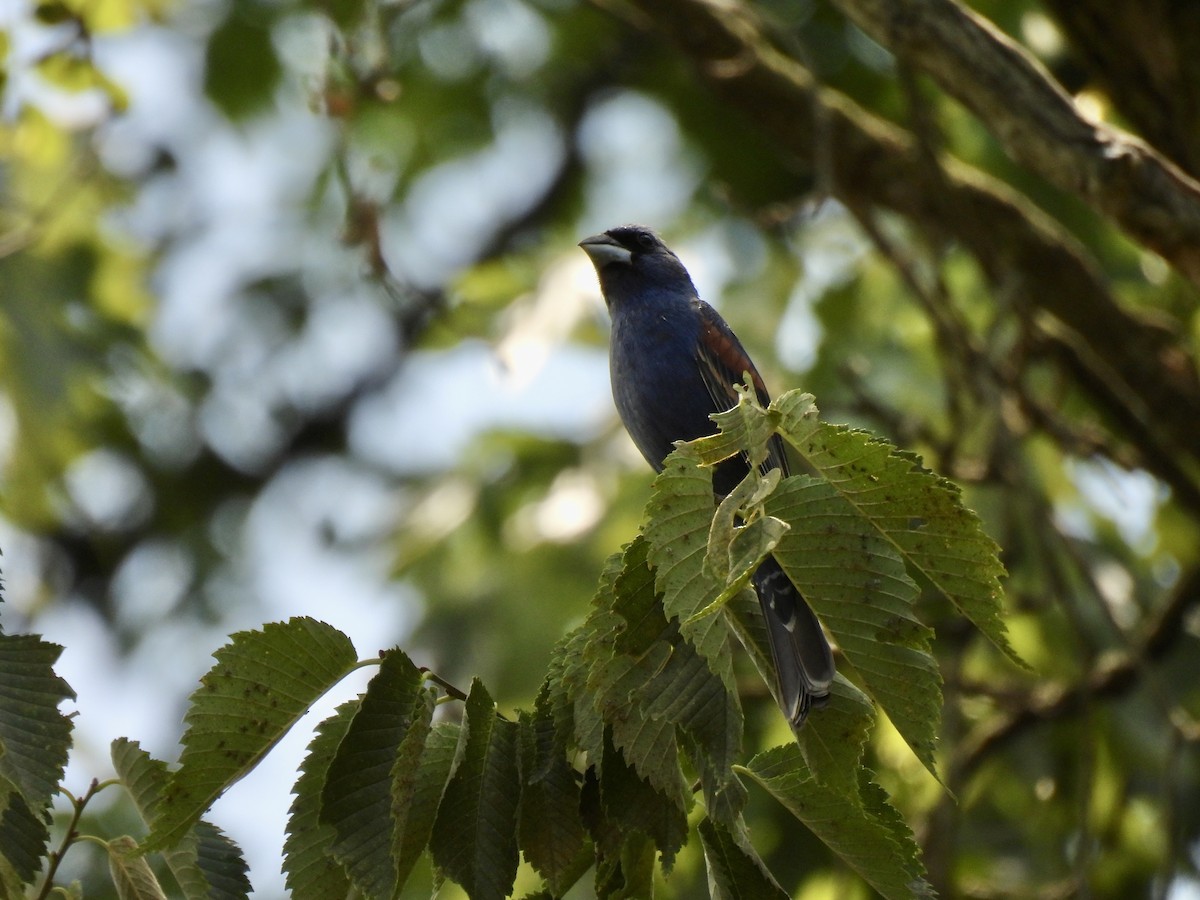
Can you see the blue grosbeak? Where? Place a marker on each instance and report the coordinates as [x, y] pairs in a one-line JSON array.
[[673, 362]]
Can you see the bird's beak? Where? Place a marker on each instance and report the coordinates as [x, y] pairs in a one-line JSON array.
[[604, 250]]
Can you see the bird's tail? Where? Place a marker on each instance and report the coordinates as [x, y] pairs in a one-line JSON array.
[[803, 661]]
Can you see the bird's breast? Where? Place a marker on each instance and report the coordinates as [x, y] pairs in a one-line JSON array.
[[657, 385]]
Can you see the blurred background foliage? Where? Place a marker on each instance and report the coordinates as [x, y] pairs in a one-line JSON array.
[[292, 322]]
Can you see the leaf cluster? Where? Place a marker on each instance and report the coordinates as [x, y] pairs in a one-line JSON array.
[[636, 737]]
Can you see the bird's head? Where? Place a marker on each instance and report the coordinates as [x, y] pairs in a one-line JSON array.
[[633, 258]]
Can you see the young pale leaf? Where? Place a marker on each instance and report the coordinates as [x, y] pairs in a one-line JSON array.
[[23, 837], [551, 834], [869, 836], [357, 796], [919, 513], [475, 836], [263, 681], [34, 735], [735, 871], [131, 873], [857, 584], [206, 864]]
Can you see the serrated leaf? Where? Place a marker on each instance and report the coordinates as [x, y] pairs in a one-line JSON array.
[[858, 586], [311, 870], [262, 683], [735, 871], [23, 838], [624, 857], [207, 865], [634, 804], [221, 861], [438, 761], [575, 718], [131, 873], [653, 689], [869, 836], [12, 886], [677, 524], [34, 735], [833, 740], [412, 776], [475, 836], [550, 833], [918, 512], [357, 796]]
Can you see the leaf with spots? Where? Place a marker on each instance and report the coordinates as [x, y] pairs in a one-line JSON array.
[[920, 514], [857, 585], [207, 865], [262, 683]]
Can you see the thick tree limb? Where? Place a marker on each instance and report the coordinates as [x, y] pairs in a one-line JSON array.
[[1016, 99], [1149, 379], [1145, 55]]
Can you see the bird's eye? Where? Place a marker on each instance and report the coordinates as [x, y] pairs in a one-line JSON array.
[[645, 241]]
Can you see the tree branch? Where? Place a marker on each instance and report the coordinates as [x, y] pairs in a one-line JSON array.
[[1114, 674], [1037, 123], [1026, 255], [1145, 55]]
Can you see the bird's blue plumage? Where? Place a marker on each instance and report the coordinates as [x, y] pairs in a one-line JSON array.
[[673, 362]]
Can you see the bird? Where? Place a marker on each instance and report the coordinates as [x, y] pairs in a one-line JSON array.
[[673, 363]]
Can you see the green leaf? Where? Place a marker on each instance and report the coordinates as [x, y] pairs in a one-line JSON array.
[[735, 871], [23, 837], [414, 822], [220, 859], [677, 524], [551, 834], [410, 778], [918, 512], [858, 586], [357, 796], [312, 872], [207, 865], [653, 690], [869, 835], [624, 856], [832, 740], [575, 715], [632, 803], [34, 735], [131, 873], [475, 835], [262, 683], [241, 68]]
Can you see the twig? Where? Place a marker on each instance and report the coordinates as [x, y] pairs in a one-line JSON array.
[[1113, 674], [71, 835]]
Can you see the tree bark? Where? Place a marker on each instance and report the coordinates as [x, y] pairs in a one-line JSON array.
[[1037, 123], [1138, 372]]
